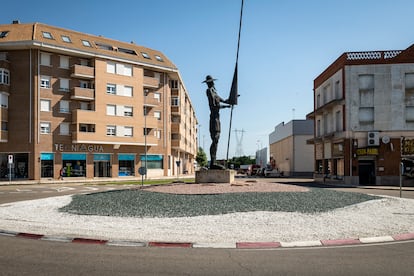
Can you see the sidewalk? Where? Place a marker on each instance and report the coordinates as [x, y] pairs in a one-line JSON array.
[[91, 181]]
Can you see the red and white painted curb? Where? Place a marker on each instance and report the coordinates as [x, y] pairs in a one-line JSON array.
[[237, 245]]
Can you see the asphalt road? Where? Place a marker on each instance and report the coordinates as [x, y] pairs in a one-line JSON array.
[[33, 257], [21, 256]]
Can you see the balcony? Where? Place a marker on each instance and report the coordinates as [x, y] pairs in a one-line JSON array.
[[151, 140], [80, 136], [151, 101], [84, 94], [82, 72], [4, 115], [175, 110], [80, 116], [150, 82], [152, 122]]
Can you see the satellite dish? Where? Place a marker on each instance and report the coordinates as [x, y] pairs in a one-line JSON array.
[[385, 139]]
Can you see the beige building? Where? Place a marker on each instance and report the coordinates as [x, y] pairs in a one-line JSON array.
[[364, 118], [94, 106], [289, 151]]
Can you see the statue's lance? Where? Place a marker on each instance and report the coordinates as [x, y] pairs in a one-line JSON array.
[[232, 100]]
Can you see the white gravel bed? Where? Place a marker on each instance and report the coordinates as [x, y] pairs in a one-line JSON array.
[[386, 216]]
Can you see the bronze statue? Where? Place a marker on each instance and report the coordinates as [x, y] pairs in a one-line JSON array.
[[214, 101]]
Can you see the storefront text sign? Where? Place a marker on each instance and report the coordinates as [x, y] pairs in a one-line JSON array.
[[78, 148], [407, 146], [367, 151]]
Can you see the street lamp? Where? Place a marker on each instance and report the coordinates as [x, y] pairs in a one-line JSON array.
[[199, 133], [146, 130]]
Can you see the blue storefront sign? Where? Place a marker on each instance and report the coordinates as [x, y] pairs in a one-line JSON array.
[[101, 157], [46, 156]]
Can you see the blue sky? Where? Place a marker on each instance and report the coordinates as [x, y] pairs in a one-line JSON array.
[[285, 45]]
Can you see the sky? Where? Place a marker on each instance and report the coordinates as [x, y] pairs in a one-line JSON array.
[[284, 46]]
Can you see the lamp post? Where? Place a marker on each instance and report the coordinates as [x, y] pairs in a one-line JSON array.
[[146, 131], [199, 133]]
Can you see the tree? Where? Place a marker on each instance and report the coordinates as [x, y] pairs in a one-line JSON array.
[[201, 157]]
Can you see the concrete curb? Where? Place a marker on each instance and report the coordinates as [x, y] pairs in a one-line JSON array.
[[237, 245]]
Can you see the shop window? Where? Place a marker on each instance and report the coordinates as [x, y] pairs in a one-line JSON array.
[[126, 164], [74, 164], [19, 168], [46, 164]]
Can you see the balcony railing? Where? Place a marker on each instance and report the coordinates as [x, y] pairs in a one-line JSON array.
[[80, 116], [79, 93], [150, 82], [151, 101], [82, 72]]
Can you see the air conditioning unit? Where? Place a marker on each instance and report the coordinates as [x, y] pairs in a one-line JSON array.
[[373, 138]]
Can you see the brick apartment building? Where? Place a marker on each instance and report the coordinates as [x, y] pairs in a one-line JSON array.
[[364, 118], [92, 105]]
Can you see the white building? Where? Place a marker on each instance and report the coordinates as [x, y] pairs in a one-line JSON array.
[[363, 106], [289, 151]]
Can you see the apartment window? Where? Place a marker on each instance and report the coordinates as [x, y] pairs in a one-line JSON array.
[[157, 134], [338, 121], [45, 82], [175, 101], [64, 106], [111, 109], [366, 115], [45, 105], [66, 39], [127, 91], [127, 51], [318, 100], [64, 62], [4, 126], [159, 58], [409, 97], [128, 131], [124, 69], [318, 128], [64, 129], [3, 34], [84, 84], [4, 76], [146, 131], [84, 106], [84, 62], [128, 111], [103, 46], [157, 96], [47, 35], [145, 55], [174, 84], [4, 100], [157, 114], [337, 90], [111, 130], [111, 89], [44, 128], [110, 67], [64, 85], [86, 43], [45, 59]]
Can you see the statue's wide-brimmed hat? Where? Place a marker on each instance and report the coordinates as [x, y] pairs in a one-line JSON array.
[[209, 79]]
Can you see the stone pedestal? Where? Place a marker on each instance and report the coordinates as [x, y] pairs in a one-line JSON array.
[[215, 176]]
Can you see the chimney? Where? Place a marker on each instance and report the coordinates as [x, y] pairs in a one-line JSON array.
[[16, 22]]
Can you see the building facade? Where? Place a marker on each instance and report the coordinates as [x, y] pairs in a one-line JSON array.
[[289, 151], [94, 106], [363, 114]]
